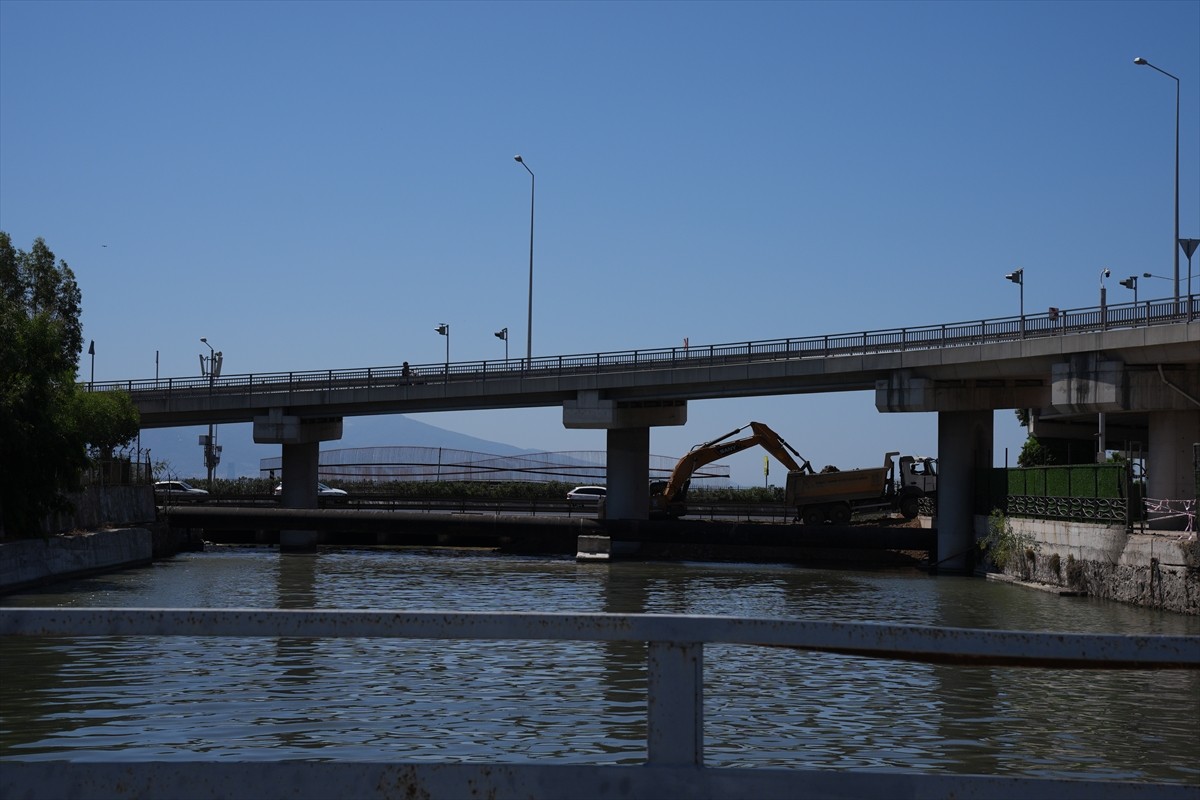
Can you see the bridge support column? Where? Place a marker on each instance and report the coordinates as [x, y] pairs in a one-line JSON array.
[[628, 473], [1171, 471], [301, 440], [964, 447], [628, 425], [300, 462]]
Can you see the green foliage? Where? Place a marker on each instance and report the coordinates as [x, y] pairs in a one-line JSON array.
[[1007, 548], [1035, 454], [107, 420], [42, 439]]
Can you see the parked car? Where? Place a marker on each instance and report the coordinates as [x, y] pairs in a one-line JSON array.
[[586, 495], [168, 492], [324, 491]]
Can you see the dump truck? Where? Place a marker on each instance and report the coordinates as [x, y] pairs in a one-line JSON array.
[[833, 496]]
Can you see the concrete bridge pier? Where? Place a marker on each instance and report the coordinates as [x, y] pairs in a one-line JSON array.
[[965, 444], [964, 448], [628, 444], [628, 461], [1174, 436], [301, 440]]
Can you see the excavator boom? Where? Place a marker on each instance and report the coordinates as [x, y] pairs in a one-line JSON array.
[[710, 451]]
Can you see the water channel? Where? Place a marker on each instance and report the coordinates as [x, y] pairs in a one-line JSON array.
[[177, 698]]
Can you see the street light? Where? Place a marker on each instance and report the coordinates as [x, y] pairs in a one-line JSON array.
[[444, 330], [503, 334], [1104, 273], [212, 453], [1101, 435], [1141, 62], [529, 322], [92, 353], [1018, 277], [1131, 283]]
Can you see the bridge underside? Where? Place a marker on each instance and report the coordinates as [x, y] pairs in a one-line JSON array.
[[1135, 388], [1149, 410]]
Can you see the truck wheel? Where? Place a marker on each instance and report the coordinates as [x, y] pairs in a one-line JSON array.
[[909, 506], [814, 515], [840, 514]]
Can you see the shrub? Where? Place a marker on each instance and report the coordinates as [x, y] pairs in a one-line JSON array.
[[1004, 546]]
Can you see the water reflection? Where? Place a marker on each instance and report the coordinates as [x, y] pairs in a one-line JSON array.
[[455, 700]]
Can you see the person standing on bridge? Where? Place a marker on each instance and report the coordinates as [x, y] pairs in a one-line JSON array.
[[405, 371]]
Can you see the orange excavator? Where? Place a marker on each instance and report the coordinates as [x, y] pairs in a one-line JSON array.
[[668, 498]]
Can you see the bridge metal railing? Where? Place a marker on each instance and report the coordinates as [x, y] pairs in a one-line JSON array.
[[957, 334], [674, 764]]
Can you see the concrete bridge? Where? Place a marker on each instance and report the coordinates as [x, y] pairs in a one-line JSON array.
[[1120, 373]]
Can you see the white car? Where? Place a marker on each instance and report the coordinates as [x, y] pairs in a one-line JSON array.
[[323, 490], [586, 495], [168, 492]]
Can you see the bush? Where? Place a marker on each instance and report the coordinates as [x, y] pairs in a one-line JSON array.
[[1005, 547]]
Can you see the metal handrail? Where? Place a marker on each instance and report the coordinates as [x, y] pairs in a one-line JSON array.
[[675, 656], [928, 337]]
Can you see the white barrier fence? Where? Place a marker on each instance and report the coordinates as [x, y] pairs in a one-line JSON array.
[[674, 764]]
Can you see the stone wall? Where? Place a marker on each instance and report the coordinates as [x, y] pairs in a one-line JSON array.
[[1159, 569]]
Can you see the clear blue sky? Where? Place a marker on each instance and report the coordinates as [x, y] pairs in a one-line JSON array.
[[318, 185]]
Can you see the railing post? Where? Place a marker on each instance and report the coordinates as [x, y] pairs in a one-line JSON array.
[[675, 704]]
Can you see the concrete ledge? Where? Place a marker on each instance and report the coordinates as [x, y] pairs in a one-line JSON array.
[[36, 562], [1152, 569]]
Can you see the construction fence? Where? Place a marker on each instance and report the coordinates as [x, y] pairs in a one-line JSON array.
[[411, 463]]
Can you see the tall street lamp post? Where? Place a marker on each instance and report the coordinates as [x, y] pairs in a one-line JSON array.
[[502, 334], [1018, 277], [212, 453], [1174, 250], [1102, 433], [529, 322], [444, 330]]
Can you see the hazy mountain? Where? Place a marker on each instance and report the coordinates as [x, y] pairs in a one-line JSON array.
[[240, 456]]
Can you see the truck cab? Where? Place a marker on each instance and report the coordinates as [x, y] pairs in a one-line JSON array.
[[919, 472]]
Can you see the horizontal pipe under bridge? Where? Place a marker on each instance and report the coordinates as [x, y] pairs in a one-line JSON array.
[[556, 533]]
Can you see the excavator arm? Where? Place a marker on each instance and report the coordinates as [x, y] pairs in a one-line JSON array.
[[667, 501]]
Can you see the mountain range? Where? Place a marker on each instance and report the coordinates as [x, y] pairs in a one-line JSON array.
[[179, 449]]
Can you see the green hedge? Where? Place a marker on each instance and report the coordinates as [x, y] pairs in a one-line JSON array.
[[1077, 480]]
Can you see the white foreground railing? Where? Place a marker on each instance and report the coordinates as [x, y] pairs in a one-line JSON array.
[[675, 745]]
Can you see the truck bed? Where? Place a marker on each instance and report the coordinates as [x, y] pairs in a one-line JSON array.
[[829, 487]]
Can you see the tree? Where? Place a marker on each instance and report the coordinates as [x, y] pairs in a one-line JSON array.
[[1035, 454], [44, 427], [107, 420]]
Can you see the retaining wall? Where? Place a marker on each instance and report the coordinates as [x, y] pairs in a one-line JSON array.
[[1159, 569], [35, 562], [105, 507]]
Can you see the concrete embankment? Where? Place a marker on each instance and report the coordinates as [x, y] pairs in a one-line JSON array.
[[28, 563], [109, 528], [1157, 569]]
